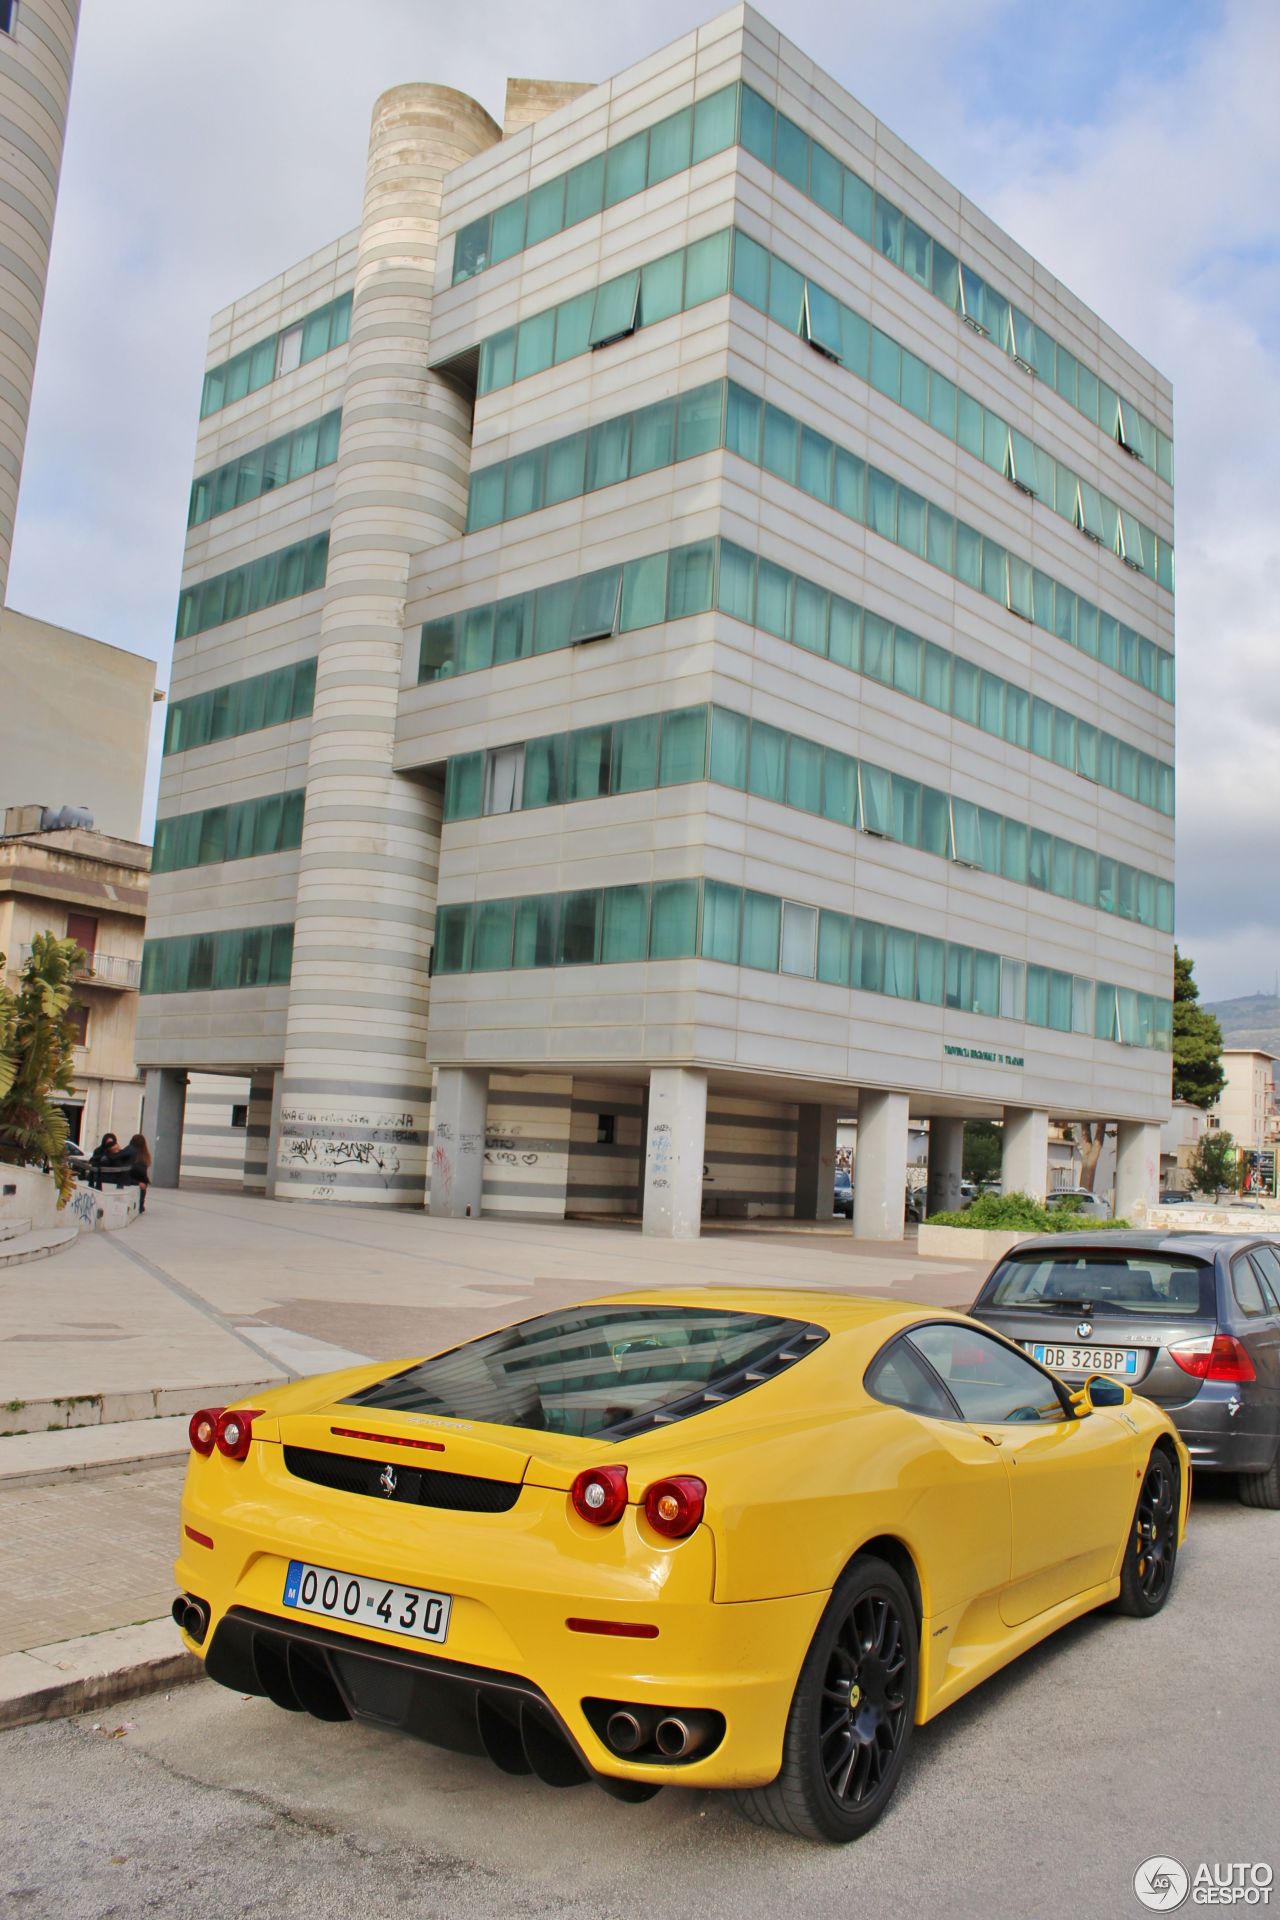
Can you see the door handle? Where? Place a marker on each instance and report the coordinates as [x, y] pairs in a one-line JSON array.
[[993, 1440]]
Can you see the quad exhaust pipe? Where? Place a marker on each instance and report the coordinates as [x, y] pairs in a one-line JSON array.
[[654, 1733], [192, 1616], [626, 1732], [680, 1736]]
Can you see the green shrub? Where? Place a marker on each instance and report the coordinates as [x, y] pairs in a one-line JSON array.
[[1019, 1213]]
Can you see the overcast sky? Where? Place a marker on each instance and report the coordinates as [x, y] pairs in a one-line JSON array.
[[1132, 145]]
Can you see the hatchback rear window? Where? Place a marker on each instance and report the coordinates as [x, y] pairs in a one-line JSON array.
[[602, 1372], [1136, 1282]]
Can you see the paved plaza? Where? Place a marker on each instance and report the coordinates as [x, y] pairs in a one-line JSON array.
[[210, 1294]]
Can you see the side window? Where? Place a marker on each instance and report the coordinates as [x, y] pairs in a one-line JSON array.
[[899, 1377], [1267, 1264], [988, 1382], [1244, 1285]]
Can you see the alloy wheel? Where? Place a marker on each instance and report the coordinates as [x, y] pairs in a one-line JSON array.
[[864, 1705], [1155, 1528]]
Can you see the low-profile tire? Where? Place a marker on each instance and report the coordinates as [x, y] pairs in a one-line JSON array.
[[852, 1713], [1151, 1552], [1261, 1489]]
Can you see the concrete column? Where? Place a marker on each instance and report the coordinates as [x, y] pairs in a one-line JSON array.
[[164, 1107], [675, 1153], [457, 1153], [815, 1161], [946, 1166], [1024, 1162], [356, 1103], [880, 1166], [1137, 1167], [273, 1137], [257, 1139]]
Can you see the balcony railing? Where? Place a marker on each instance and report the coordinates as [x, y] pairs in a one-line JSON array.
[[101, 970]]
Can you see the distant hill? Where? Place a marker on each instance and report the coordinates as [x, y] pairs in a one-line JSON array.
[[1253, 1020]]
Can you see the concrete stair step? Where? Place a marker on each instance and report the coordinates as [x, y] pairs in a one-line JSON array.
[[39, 1459], [83, 1413], [10, 1229], [35, 1246]]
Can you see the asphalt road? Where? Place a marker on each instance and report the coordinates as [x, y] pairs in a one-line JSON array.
[[1040, 1794]]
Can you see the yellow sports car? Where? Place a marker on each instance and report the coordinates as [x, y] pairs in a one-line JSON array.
[[713, 1538]]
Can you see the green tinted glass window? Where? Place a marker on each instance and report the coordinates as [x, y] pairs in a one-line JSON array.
[[624, 931], [673, 925]]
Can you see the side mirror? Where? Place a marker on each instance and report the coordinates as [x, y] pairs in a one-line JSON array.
[[1099, 1391]]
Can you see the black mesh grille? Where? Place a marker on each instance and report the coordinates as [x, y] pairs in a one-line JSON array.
[[411, 1486]]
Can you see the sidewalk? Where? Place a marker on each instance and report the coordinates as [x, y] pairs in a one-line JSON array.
[[211, 1295]]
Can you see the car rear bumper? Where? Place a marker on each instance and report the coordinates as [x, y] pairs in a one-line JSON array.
[[513, 1673], [1221, 1431]]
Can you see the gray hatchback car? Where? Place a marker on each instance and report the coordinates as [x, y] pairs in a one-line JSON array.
[[1189, 1320]]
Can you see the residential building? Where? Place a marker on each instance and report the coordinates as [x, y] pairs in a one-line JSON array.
[[75, 723], [1248, 1107], [92, 888], [675, 649]]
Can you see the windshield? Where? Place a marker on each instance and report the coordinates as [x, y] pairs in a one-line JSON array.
[[1136, 1281], [602, 1372]]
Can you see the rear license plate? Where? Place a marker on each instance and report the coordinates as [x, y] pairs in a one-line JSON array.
[[1119, 1360], [367, 1603]]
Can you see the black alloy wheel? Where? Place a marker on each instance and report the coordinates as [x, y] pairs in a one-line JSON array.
[[864, 1703], [852, 1714], [1152, 1553]]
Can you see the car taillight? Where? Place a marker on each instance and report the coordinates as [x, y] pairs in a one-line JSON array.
[[674, 1507], [235, 1431], [1219, 1358], [599, 1494], [203, 1429]]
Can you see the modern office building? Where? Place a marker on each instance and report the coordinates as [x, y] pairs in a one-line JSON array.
[[675, 646], [37, 49]]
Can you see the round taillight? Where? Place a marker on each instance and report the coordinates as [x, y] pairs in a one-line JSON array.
[[674, 1507], [203, 1429], [235, 1431], [599, 1494]]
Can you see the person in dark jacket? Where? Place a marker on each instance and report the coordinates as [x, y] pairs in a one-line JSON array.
[[131, 1167], [106, 1147]]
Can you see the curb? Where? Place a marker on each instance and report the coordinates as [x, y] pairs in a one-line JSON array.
[[77, 1676]]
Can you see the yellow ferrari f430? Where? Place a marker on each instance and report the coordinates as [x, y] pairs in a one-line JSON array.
[[714, 1538]]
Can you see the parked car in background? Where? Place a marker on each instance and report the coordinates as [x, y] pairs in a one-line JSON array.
[[843, 1193], [1178, 1199], [1082, 1200], [1190, 1320]]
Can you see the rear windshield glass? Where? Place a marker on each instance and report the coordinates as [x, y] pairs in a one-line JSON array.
[[1135, 1281], [603, 1372]]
